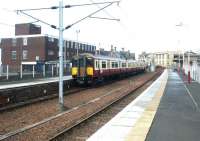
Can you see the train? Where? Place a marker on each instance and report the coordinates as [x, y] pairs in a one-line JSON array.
[[88, 68]]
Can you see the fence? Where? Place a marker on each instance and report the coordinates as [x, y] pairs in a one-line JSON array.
[[8, 72]]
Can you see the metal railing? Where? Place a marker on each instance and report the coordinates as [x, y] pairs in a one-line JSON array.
[[9, 72]]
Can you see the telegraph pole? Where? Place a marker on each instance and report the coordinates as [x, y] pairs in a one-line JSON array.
[[61, 100], [189, 78], [77, 46]]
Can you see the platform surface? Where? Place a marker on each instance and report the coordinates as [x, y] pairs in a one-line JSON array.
[[178, 115], [166, 111], [32, 82]]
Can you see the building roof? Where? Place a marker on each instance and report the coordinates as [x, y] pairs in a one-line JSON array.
[[43, 35]]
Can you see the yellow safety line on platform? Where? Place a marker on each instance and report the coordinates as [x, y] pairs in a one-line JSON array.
[[142, 126]]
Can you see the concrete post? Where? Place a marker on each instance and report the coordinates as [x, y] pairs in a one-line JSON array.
[[21, 71], [33, 71], [0, 69], [44, 70], [7, 71], [52, 70], [61, 100]]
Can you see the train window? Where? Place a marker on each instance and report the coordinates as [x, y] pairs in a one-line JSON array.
[[123, 65], [89, 62], [103, 64], [116, 64], [113, 64], [74, 63]]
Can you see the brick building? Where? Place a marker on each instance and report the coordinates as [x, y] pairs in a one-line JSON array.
[[36, 47]]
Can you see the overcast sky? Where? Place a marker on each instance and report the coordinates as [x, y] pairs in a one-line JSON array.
[[145, 25]]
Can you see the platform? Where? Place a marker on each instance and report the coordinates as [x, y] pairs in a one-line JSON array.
[[168, 110], [17, 84], [178, 115]]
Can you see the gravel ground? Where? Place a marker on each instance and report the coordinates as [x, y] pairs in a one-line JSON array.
[[22, 117], [90, 126]]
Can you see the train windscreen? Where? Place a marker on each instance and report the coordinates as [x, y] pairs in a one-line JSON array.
[[74, 63], [90, 62]]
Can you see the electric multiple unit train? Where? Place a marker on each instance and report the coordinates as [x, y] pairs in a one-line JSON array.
[[87, 68]]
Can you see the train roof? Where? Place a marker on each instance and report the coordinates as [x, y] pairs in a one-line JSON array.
[[102, 57]]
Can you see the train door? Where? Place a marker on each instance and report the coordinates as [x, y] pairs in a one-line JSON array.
[[81, 67], [96, 67], [100, 67], [74, 67], [89, 66]]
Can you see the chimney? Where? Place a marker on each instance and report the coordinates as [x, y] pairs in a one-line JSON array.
[[111, 48]]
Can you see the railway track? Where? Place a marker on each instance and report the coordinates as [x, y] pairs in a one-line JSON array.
[[39, 99], [80, 113], [51, 96]]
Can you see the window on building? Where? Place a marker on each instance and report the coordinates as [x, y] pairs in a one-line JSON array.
[[86, 48], [50, 52], [14, 55], [37, 58], [103, 64], [79, 47], [25, 41], [50, 39], [67, 44], [25, 54], [74, 45], [14, 42], [64, 44], [0, 40], [70, 44]]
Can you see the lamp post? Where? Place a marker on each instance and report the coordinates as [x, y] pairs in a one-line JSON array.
[[189, 78], [77, 32], [179, 61], [183, 63]]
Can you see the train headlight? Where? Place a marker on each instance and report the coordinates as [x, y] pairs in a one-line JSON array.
[[90, 71], [74, 71]]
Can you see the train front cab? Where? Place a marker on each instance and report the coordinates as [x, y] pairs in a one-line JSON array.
[[83, 69]]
